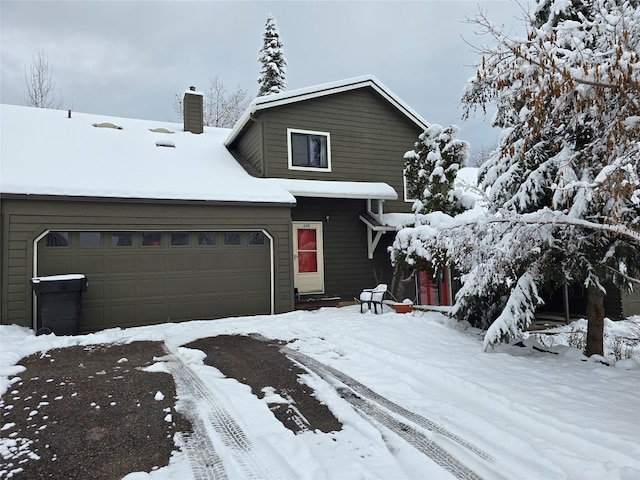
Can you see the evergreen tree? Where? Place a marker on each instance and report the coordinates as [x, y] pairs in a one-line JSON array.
[[430, 170], [564, 183], [274, 64]]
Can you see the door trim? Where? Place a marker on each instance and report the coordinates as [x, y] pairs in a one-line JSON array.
[[317, 226]]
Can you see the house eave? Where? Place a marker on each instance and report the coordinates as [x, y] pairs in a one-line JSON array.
[[354, 196], [157, 201], [336, 189]]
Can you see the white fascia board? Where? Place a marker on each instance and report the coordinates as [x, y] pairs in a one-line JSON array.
[[242, 121]]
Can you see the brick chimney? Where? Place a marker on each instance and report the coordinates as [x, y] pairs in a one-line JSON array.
[[192, 106]]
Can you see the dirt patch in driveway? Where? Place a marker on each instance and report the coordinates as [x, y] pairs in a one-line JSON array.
[[258, 362], [91, 412]]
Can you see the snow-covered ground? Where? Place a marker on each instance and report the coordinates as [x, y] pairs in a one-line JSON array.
[[536, 415]]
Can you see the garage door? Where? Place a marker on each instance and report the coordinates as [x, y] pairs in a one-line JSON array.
[[138, 278]]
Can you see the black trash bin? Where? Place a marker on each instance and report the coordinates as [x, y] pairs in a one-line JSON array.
[[59, 302]]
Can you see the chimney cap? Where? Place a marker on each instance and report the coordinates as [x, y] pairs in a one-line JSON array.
[[192, 88]]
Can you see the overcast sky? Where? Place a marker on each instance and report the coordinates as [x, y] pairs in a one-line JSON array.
[[129, 58]]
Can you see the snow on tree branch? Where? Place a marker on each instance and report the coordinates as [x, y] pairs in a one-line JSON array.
[[431, 168], [519, 311], [274, 64], [563, 185]]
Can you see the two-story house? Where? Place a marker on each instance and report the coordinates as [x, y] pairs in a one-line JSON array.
[[338, 148], [176, 222]]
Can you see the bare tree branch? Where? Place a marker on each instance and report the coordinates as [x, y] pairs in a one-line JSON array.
[[221, 109], [39, 86]]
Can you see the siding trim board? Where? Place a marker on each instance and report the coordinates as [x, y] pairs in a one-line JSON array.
[[34, 273]]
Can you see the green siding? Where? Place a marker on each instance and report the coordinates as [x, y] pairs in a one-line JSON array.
[[630, 303], [24, 220], [250, 146], [614, 301], [368, 139], [347, 268]]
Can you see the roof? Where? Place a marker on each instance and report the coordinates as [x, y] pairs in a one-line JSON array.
[[336, 189], [44, 152], [47, 153], [292, 96]]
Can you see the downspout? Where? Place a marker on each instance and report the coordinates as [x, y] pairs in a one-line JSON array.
[[377, 215], [34, 302]]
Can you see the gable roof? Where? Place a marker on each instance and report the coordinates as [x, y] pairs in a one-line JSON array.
[[46, 153], [293, 96]]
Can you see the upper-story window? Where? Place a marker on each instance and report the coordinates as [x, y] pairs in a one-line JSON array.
[[309, 150]]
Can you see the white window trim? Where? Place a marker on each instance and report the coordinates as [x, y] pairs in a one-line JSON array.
[[406, 190], [308, 132]]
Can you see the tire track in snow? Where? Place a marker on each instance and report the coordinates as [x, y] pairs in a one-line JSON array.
[[415, 438], [365, 399], [229, 431], [205, 463]]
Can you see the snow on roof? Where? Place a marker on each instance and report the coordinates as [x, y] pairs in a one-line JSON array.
[[336, 189], [45, 153], [274, 100], [467, 177]]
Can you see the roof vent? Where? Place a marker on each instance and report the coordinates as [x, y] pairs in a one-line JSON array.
[[160, 130], [165, 143], [107, 125], [192, 106]]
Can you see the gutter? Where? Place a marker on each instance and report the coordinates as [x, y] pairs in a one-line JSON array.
[[160, 201]]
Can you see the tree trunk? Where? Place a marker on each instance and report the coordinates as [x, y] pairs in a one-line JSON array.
[[399, 281], [397, 287], [595, 324]]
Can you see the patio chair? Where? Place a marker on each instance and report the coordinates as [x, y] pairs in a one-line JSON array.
[[373, 296]]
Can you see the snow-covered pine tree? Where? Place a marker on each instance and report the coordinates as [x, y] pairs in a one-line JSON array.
[[564, 183], [431, 168], [274, 64]]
